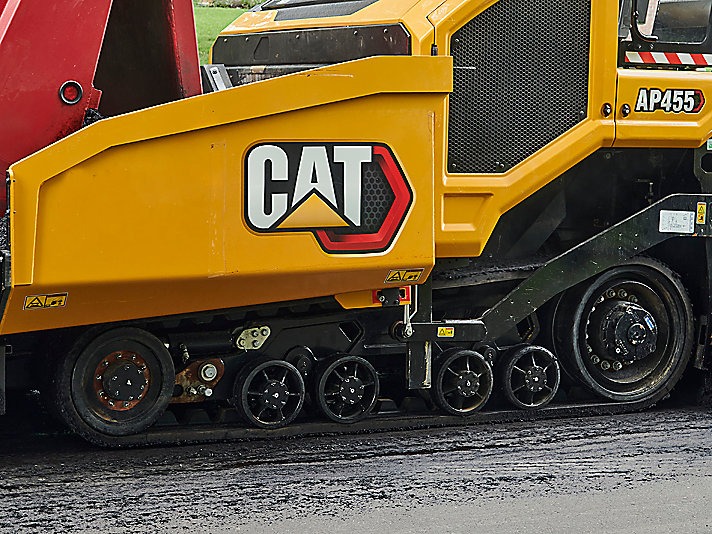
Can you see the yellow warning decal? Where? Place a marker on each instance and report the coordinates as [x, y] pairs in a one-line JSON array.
[[55, 300], [446, 331], [404, 275], [701, 213]]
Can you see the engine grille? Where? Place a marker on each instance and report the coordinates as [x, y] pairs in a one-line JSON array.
[[520, 81]]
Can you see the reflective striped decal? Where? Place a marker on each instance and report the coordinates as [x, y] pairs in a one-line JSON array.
[[668, 58]]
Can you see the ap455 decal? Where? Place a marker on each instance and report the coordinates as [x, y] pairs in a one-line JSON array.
[[352, 197], [670, 100]]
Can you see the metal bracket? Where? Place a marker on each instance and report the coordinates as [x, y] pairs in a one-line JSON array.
[[420, 353], [215, 78], [611, 247], [449, 331], [252, 338]]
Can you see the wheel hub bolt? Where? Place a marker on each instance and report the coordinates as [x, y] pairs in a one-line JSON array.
[[617, 366], [275, 395], [595, 359], [622, 293], [468, 384], [208, 372], [611, 293], [605, 365], [351, 390]]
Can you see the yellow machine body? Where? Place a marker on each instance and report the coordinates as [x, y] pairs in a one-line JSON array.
[[142, 215]]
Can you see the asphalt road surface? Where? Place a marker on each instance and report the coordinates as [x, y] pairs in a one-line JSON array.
[[649, 472]]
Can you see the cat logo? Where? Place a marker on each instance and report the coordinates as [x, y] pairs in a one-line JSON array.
[[352, 197], [56, 300], [404, 275]]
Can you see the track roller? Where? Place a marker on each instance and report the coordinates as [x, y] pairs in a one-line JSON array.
[[462, 382], [269, 393], [346, 389], [530, 376]]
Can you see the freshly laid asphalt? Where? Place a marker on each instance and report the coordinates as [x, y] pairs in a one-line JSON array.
[[649, 472]]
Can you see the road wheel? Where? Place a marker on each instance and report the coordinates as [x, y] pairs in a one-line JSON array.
[[628, 333], [346, 389], [117, 384], [530, 377], [269, 393], [462, 382]]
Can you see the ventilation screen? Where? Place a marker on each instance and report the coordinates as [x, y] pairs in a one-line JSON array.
[[520, 81]]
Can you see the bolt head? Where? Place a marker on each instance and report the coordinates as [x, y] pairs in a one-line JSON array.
[[255, 343], [264, 332], [98, 377], [126, 404], [105, 364], [110, 403]]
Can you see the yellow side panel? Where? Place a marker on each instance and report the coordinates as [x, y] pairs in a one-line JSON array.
[[469, 205], [660, 128], [142, 215]]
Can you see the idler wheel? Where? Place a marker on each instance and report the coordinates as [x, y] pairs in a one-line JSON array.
[[346, 389], [116, 384], [462, 382], [530, 377], [269, 393], [629, 331]]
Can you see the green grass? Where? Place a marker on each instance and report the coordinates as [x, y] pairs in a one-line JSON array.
[[209, 22]]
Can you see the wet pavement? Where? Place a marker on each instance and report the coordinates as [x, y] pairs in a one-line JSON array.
[[648, 472]]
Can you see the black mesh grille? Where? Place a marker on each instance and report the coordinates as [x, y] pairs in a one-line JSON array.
[[520, 81], [377, 199]]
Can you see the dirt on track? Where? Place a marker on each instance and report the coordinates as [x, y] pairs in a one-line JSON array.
[[648, 472]]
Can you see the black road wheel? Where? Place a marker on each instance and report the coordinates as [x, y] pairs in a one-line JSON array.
[[530, 376], [269, 393], [117, 384], [628, 333], [463, 381], [346, 389]]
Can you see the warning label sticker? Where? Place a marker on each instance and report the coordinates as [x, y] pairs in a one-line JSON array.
[[446, 331], [404, 275], [701, 213], [55, 300]]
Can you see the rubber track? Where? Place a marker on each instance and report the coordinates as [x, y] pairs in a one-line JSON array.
[[208, 433]]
